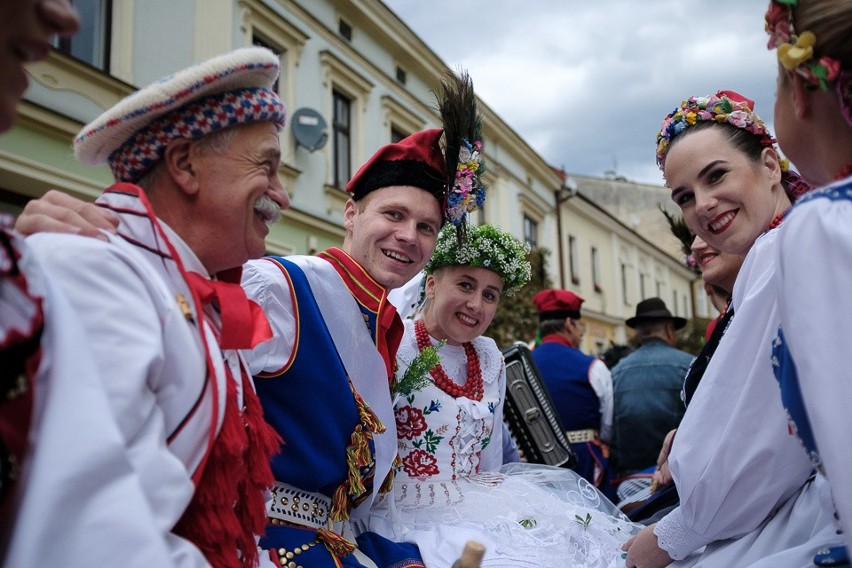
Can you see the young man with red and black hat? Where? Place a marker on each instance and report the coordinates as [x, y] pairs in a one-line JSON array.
[[325, 377], [579, 384]]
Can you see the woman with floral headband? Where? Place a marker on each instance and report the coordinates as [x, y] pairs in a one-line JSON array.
[[813, 114], [450, 486], [742, 479]]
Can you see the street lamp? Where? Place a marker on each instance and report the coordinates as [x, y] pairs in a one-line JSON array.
[[561, 195]]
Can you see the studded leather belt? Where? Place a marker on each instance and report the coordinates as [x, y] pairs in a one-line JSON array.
[[580, 436], [292, 505]]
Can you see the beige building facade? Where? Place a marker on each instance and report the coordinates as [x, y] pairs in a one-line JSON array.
[[356, 78]]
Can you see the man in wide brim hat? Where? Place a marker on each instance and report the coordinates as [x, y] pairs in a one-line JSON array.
[[654, 309], [647, 386]]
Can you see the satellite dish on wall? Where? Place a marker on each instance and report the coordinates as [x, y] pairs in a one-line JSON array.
[[309, 129]]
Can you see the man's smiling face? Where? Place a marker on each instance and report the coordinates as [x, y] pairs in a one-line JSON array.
[[392, 232]]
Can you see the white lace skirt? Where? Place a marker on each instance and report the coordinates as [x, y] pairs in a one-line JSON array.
[[525, 515]]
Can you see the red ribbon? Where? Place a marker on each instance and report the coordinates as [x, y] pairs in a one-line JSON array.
[[244, 324]]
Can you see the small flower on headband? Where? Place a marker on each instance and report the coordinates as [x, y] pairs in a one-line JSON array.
[[791, 56], [778, 24], [468, 192]]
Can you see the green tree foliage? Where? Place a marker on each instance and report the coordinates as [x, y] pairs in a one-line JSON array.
[[517, 319], [691, 338]]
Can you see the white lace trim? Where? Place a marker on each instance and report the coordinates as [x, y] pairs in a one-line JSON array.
[[674, 537]]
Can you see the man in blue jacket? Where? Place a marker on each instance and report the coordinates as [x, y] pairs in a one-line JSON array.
[[579, 384], [647, 386]]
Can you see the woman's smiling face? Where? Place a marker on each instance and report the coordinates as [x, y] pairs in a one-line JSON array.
[[462, 302], [727, 198]]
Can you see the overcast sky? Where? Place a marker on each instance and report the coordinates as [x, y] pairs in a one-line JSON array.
[[587, 84]]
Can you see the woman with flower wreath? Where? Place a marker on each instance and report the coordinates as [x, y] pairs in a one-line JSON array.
[[744, 482], [450, 486], [813, 114]]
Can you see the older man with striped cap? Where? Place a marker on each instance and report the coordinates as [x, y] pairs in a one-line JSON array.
[[195, 156]]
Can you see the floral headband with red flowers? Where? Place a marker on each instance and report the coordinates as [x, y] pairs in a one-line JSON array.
[[796, 51], [723, 107]]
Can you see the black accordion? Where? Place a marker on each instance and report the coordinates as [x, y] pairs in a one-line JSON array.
[[529, 412]]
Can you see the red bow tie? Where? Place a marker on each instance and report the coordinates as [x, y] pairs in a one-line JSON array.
[[244, 324]]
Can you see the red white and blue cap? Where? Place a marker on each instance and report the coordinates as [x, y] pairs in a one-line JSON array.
[[225, 91]]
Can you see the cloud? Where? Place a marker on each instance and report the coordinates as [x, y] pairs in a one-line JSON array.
[[587, 84]]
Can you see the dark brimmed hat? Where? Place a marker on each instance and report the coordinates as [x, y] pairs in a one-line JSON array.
[[653, 309], [555, 304]]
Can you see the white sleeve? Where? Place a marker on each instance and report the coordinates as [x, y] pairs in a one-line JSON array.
[[815, 256], [601, 381], [266, 283], [734, 460], [406, 298], [122, 326]]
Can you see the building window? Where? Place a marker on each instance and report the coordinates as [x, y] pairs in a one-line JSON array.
[[396, 135], [341, 125], [345, 30], [674, 302], [685, 307], [641, 285], [91, 43], [347, 92], [624, 286], [596, 270], [530, 231], [659, 289], [261, 42], [399, 119], [573, 260], [401, 75]]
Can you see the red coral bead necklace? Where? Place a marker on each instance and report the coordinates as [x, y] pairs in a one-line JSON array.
[[473, 388]]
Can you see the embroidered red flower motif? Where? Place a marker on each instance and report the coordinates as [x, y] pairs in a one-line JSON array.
[[420, 464], [410, 422]]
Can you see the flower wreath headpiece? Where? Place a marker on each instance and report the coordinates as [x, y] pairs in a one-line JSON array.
[[485, 246], [796, 51], [723, 107]]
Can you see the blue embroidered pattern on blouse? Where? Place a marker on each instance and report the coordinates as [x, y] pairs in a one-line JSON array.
[[791, 396]]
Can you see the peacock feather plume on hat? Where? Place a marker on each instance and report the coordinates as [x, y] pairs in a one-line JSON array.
[[465, 163]]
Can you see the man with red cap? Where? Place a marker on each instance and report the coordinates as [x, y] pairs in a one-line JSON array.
[[324, 380], [579, 384]]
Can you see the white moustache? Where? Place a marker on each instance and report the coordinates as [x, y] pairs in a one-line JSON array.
[[268, 209]]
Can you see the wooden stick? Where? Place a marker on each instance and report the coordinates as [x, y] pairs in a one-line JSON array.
[[471, 555]]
